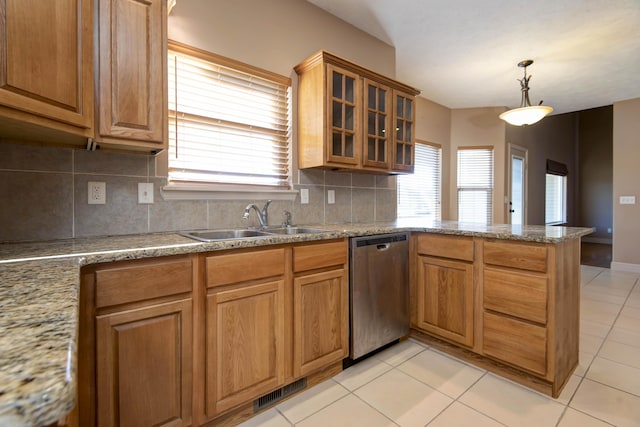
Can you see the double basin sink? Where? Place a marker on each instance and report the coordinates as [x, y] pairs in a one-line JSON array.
[[215, 235]]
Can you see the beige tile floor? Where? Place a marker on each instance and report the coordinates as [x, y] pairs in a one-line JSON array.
[[411, 384]]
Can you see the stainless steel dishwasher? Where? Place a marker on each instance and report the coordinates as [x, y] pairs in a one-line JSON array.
[[379, 291]]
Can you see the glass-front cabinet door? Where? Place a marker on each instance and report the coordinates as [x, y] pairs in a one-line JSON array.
[[377, 101], [404, 119], [343, 111]]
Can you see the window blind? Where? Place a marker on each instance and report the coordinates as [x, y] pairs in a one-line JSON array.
[[555, 211], [475, 184], [228, 122], [419, 193]]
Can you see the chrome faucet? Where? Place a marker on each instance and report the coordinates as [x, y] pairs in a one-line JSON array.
[[263, 216], [287, 219]]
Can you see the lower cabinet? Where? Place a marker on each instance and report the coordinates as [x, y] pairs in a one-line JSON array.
[[136, 343], [320, 306], [443, 290], [195, 339]]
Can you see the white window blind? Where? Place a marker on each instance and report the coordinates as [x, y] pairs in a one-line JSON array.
[[555, 207], [475, 184], [229, 123], [419, 193]]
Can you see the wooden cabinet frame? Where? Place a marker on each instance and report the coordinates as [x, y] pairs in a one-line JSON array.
[[533, 341], [315, 113]]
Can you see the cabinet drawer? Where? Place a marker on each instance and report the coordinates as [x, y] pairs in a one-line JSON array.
[[455, 247], [142, 281], [320, 255], [522, 295], [518, 343], [516, 255], [239, 267]]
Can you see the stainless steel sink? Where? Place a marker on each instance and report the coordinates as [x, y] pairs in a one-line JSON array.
[[295, 230], [212, 235]]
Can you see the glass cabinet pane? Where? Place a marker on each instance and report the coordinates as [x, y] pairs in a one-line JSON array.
[[371, 149], [337, 85], [407, 155], [336, 146], [372, 104], [381, 129], [400, 107], [371, 123], [350, 89], [337, 114], [400, 130], [382, 154], [348, 145], [409, 106], [382, 100], [399, 154], [349, 117]]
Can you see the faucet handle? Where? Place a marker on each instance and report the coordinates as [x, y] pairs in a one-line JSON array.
[[266, 206], [287, 219]]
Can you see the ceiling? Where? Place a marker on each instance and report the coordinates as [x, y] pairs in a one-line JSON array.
[[464, 53]]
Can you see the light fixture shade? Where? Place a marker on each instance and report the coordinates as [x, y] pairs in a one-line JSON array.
[[525, 115]]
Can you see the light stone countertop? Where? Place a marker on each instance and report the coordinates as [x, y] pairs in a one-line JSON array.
[[39, 287]]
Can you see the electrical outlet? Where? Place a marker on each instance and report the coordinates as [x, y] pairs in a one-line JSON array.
[[145, 192], [97, 193], [331, 196], [304, 196]]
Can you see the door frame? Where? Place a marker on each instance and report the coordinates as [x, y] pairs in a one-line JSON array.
[[511, 150]]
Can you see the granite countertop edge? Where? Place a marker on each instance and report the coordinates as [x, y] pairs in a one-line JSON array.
[[39, 296]]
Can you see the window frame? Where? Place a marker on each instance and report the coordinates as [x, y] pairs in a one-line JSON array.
[[185, 190], [563, 199]]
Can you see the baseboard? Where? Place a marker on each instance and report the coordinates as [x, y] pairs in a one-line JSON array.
[[602, 240], [624, 266]]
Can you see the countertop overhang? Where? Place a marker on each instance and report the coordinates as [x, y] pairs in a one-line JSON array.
[[40, 284]]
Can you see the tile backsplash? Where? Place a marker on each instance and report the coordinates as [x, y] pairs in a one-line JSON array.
[[43, 196]]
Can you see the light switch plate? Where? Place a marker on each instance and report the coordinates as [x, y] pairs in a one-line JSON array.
[[145, 193], [627, 200], [304, 196], [331, 196]]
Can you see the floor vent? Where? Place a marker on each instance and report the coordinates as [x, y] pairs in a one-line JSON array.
[[279, 394]]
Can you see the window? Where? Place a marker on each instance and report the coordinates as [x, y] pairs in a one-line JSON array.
[[419, 193], [475, 184], [229, 123], [555, 200]]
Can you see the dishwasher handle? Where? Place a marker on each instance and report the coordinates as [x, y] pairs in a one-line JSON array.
[[383, 246]]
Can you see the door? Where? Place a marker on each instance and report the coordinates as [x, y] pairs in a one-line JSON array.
[[377, 101], [321, 323], [144, 365], [445, 298], [132, 70], [46, 65], [403, 142], [343, 112], [245, 344], [517, 205]]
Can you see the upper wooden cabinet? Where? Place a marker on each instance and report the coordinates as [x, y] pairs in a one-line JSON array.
[[46, 66], [49, 89], [132, 73], [351, 118]]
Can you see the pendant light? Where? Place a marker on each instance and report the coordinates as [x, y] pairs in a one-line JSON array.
[[525, 114]]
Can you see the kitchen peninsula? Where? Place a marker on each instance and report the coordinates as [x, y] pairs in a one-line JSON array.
[[521, 285]]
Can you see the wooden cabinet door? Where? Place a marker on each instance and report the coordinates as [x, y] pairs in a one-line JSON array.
[[144, 360], [321, 320], [404, 138], [244, 344], [132, 71], [344, 109], [46, 63], [377, 125], [445, 299]]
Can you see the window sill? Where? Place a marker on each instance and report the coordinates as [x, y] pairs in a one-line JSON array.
[[180, 191]]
